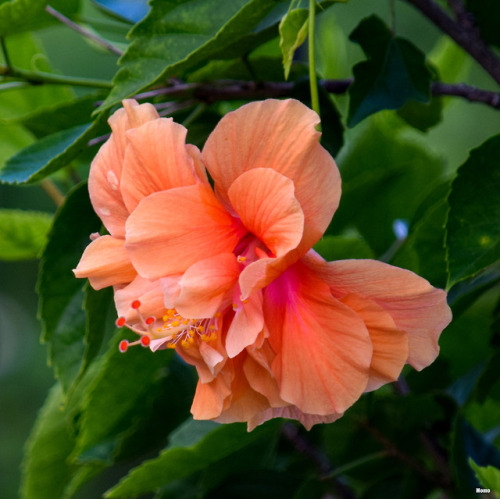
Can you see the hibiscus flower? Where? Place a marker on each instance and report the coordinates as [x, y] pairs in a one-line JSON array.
[[226, 275]]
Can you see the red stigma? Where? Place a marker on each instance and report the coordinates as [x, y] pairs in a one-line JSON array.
[[123, 346], [145, 341], [120, 322], [136, 304], [150, 320]]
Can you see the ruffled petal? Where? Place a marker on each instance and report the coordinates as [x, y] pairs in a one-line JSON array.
[[280, 135], [323, 349], [415, 306], [106, 263], [209, 398], [106, 169], [244, 402], [390, 344], [205, 284], [291, 412], [265, 202], [246, 325], [156, 159], [149, 293], [171, 230]]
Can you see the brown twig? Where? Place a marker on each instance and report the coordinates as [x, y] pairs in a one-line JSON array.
[[237, 89], [462, 31], [83, 31]]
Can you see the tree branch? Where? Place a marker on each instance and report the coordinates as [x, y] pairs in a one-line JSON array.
[[83, 31], [236, 90], [463, 31]]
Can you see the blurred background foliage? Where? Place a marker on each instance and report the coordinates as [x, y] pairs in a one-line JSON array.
[[397, 167]]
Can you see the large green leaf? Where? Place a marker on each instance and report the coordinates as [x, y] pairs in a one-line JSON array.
[[386, 174], [181, 34], [22, 234], [61, 295], [49, 154], [394, 73], [423, 250], [293, 32], [473, 227], [46, 469], [197, 445], [122, 395], [24, 15]]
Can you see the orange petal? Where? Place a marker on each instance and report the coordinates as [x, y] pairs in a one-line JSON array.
[[261, 379], [281, 135], [106, 263], [390, 344], [415, 306], [171, 289], [106, 170], [209, 398], [156, 160], [246, 325], [265, 202], [291, 412], [171, 230], [245, 402], [323, 349], [205, 284], [149, 293]]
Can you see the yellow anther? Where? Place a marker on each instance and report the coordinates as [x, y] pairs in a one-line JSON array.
[[200, 328], [171, 345], [175, 323], [217, 314], [165, 318], [241, 259], [212, 327], [246, 300], [185, 321], [235, 306]]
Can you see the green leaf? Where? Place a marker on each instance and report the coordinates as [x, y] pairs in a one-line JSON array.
[[96, 304], [488, 383], [123, 393], [49, 154], [46, 470], [179, 35], [343, 248], [197, 445], [473, 227], [57, 117], [23, 234], [61, 294], [393, 169], [293, 32], [24, 15], [394, 73], [423, 251], [488, 477]]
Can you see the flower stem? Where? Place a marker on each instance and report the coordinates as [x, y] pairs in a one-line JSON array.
[[194, 114], [312, 64], [52, 191]]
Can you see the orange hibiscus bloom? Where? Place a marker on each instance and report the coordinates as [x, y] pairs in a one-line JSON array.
[[227, 276]]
